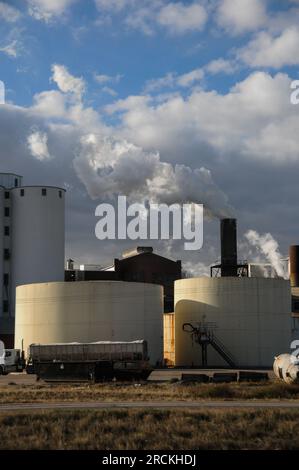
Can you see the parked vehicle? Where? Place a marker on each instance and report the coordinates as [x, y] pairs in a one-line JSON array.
[[95, 362], [12, 361]]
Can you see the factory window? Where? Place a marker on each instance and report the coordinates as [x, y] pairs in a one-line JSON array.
[[44, 192], [6, 254], [6, 279], [16, 182], [6, 231], [22, 192], [7, 195], [6, 212], [5, 306], [295, 305], [60, 194]]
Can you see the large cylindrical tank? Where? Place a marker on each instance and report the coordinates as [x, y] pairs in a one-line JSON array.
[[38, 235], [251, 317], [90, 311], [286, 367]]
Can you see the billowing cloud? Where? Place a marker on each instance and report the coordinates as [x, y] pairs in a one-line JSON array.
[[67, 82], [108, 167], [241, 16], [267, 50], [253, 120], [38, 145], [180, 18]]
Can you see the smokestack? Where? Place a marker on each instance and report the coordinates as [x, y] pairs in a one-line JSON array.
[[229, 256], [294, 265]]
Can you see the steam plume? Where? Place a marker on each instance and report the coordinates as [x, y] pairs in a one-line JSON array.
[[108, 167], [268, 246]]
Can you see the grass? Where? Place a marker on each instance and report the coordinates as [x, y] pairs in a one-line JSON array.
[[154, 429], [39, 393]]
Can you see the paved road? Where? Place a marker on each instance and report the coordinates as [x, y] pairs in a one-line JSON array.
[[151, 405]]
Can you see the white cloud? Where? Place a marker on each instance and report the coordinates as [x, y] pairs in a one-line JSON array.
[[188, 79], [180, 18], [266, 50], [172, 80], [254, 120], [9, 13], [112, 5], [241, 16], [67, 82], [109, 91], [102, 78], [50, 103], [11, 49], [38, 145], [46, 10], [220, 66]]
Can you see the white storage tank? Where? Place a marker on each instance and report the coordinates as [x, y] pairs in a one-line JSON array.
[[90, 311], [38, 235], [251, 317]]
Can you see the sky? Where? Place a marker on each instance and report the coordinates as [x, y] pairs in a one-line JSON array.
[[159, 100]]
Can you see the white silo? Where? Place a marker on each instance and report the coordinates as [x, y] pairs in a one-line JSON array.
[[37, 235]]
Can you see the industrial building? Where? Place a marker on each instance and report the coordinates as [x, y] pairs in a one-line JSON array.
[[32, 233], [92, 311], [138, 265], [230, 319]]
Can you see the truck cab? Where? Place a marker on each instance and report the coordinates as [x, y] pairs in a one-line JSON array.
[[11, 361]]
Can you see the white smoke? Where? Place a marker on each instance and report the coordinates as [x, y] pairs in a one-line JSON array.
[[108, 167], [268, 247]]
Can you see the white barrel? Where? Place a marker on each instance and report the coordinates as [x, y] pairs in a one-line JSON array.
[[286, 367], [37, 235]]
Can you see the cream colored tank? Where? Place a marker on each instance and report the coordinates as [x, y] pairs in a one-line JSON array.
[[251, 317], [62, 312]]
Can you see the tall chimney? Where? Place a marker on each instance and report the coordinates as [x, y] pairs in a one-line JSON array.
[[229, 256], [294, 265]]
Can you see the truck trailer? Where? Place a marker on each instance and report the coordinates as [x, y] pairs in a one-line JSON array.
[[92, 362]]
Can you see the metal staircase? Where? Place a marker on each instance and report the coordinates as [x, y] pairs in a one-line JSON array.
[[204, 336]]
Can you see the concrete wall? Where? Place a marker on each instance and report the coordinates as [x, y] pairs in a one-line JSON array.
[[90, 311], [251, 317]]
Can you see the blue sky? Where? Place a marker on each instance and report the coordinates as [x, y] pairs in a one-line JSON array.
[[199, 83]]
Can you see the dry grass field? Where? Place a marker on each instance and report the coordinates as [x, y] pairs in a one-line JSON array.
[[167, 430], [39, 393]]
